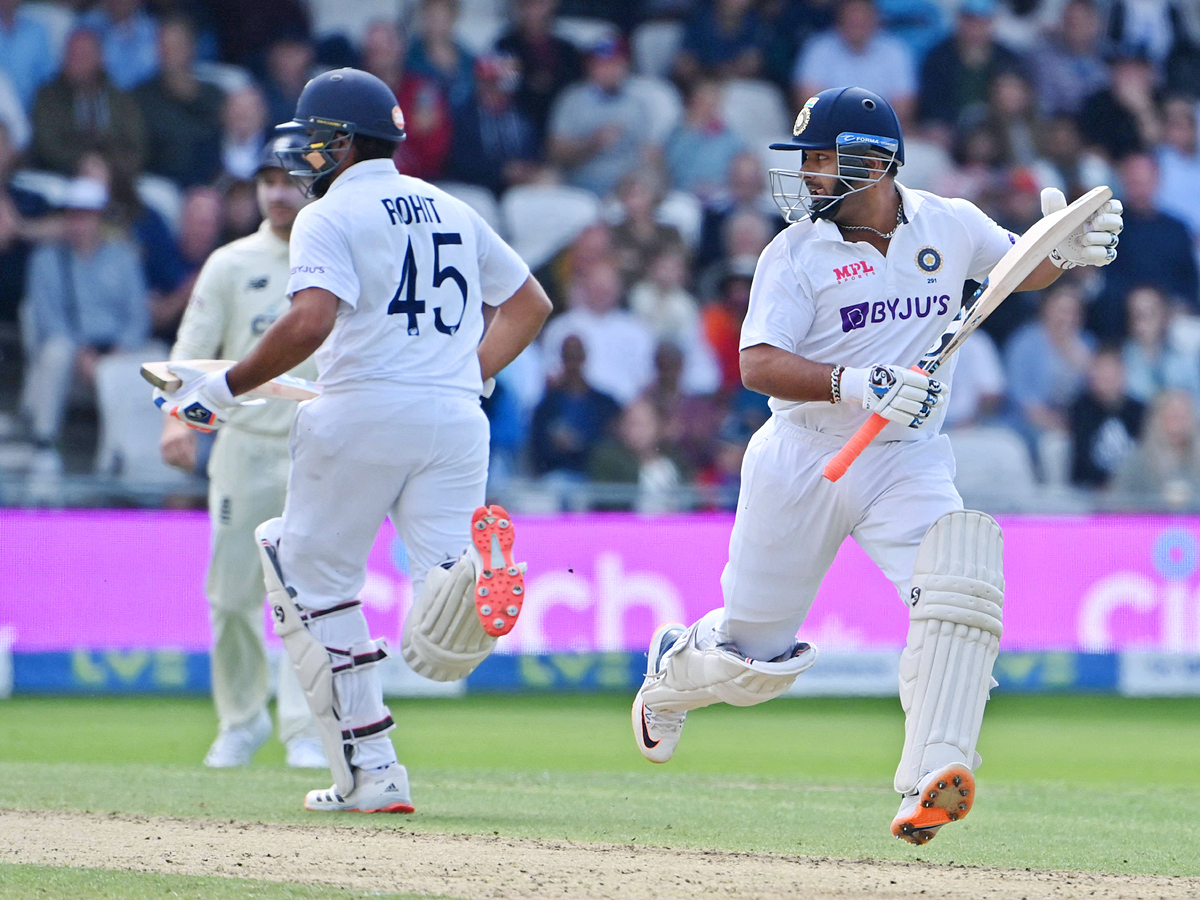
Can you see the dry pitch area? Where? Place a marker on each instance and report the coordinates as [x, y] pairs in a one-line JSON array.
[[485, 868]]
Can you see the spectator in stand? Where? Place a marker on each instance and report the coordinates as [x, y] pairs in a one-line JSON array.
[[1046, 362], [671, 313], [245, 30], [547, 62], [598, 129], [19, 210], [1066, 164], [1179, 165], [744, 235], [84, 298], [81, 110], [571, 418], [957, 72], [639, 236], [1104, 421], [722, 319], [239, 205], [25, 55], [1012, 117], [200, 224], [12, 115], [493, 143], [619, 346], [723, 476], [722, 39], [1155, 249], [744, 191], [243, 131], [1123, 118], [701, 150], [1164, 468], [129, 36], [1069, 67], [594, 244], [182, 113], [436, 55], [423, 153], [978, 393], [635, 455], [978, 174], [1154, 361], [689, 418], [290, 61], [856, 52]]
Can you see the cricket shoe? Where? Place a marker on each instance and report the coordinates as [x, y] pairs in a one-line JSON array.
[[500, 582], [943, 796], [382, 790], [657, 733], [306, 753], [237, 746]]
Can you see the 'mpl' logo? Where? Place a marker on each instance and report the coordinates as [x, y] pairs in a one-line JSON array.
[[854, 271]]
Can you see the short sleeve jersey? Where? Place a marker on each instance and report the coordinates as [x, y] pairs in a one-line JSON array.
[[412, 267], [843, 303]]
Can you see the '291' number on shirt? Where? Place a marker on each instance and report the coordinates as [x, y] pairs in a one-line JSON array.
[[410, 306]]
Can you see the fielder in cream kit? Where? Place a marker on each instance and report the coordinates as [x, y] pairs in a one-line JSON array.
[[388, 281], [240, 291], [843, 302]]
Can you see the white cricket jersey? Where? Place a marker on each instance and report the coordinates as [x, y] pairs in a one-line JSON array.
[[240, 291], [413, 267], [843, 303]]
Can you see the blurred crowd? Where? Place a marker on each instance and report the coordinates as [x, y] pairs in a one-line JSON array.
[[621, 145]]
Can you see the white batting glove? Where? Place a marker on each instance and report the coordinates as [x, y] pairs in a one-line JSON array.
[[1094, 243], [203, 401], [895, 393]]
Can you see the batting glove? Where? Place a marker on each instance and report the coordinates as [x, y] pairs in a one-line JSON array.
[[895, 393], [203, 401], [1094, 243]]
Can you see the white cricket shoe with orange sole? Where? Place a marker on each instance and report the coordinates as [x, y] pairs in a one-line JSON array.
[[943, 796], [500, 582], [383, 790], [657, 733]]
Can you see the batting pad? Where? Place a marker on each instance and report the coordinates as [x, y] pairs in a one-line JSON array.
[[690, 677], [443, 638], [334, 659], [953, 639]]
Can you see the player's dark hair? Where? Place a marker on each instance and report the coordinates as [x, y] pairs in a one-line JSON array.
[[367, 147]]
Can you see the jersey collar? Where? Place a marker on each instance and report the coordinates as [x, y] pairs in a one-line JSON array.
[[913, 201], [365, 169]]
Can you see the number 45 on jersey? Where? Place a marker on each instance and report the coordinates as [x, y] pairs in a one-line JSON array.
[[412, 307]]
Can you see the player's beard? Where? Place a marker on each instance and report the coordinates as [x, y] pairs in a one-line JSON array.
[[826, 206]]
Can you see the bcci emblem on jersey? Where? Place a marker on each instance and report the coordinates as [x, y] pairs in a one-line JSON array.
[[929, 260]]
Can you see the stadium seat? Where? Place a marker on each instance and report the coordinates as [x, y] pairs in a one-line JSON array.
[[756, 111], [163, 196], [478, 198], [683, 210], [666, 106], [1054, 457], [993, 467], [541, 219], [655, 45], [585, 33], [58, 21], [130, 425]]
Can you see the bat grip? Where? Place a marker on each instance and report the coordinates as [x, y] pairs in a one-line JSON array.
[[853, 448]]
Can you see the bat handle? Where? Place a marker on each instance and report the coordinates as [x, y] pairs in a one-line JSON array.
[[853, 448]]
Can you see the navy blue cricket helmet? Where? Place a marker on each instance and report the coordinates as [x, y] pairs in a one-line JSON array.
[[333, 108], [855, 123]]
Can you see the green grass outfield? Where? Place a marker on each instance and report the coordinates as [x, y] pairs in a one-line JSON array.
[[1076, 782]]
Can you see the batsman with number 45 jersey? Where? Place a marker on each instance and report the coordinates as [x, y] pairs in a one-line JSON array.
[[844, 301], [389, 280]]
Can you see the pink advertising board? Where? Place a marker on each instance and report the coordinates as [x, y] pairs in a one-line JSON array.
[[112, 579]]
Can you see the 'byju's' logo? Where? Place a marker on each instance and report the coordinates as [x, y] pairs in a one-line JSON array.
[[855, 316]]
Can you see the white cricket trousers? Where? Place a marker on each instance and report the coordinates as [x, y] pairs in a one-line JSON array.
[[791, 521], [247, 481], [361, 455]]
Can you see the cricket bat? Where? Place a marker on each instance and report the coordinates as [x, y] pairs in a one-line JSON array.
[[1013, 268], [285, 387]]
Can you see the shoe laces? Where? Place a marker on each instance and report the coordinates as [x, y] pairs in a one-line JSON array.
[[664, 722]]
